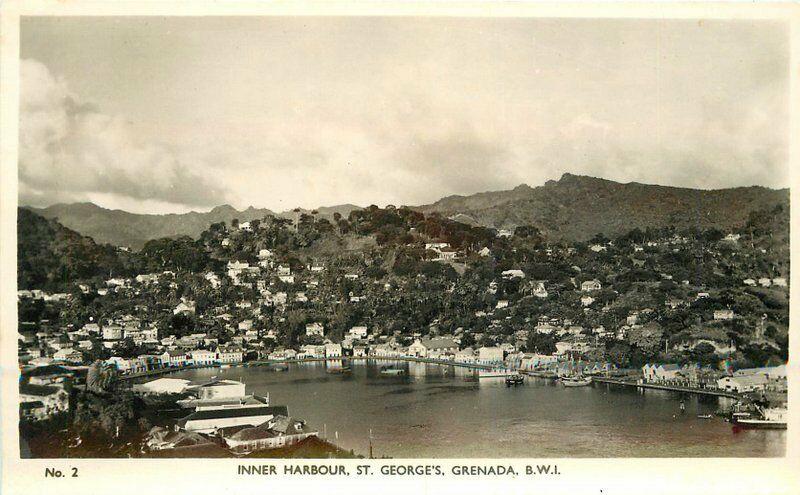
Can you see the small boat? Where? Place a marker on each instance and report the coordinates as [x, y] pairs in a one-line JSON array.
[[224, 366], [392, 371], [339, 371], [576, 381], [705, 416], [280, 367], [514, 380]]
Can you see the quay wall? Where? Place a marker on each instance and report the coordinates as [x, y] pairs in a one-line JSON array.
[[269, 362]]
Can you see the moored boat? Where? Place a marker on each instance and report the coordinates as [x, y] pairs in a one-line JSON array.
[[339, 370], [767, 419], [391, 371], [576, 381], [496, 373], [514, 380]]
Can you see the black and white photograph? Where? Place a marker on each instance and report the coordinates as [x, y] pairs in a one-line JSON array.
[[420, 237]]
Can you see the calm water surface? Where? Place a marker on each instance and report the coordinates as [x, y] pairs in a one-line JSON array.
[[433, 412]]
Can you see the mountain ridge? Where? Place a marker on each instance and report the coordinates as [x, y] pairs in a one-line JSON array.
[[575, 207]]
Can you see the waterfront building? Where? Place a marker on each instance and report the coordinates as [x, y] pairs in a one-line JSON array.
[[535, 361], [490, 355], [333, 350], [771, 372], [219, 389], [277, 432], [162, 386], [661, 372], [230, 355], [209, 421], [203, 357], [743, 383], [466, 355], [160, 438], [175, 358]]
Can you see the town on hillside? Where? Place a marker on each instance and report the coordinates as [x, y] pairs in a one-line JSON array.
[[101, 327]]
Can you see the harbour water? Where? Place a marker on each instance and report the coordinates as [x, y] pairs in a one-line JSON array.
[[432, 411]]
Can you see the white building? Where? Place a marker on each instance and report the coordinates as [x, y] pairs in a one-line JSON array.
[[315, 328], [333, 350], [203, 357], [490, 355], [162, 386]]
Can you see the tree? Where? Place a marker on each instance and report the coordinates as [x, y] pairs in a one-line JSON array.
[[540, 343], [101, 378], [647, 337]]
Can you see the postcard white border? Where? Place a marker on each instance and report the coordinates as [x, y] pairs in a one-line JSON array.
[[596, 476]]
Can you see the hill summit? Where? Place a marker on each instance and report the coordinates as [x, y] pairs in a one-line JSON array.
[[577, 207]]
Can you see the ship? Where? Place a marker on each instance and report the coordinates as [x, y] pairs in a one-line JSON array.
[[767, 419]]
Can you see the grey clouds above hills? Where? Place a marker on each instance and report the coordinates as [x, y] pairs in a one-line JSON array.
[[281, 112]]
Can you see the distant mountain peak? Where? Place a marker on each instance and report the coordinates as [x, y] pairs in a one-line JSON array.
[[223, 209]]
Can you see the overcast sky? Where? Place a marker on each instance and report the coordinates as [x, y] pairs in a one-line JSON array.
[[168, 115]]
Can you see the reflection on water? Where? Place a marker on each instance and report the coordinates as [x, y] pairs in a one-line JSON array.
[[437, 411]]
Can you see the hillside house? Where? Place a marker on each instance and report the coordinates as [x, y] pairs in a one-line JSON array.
[[315, 328], [723, 314], [591, 285]]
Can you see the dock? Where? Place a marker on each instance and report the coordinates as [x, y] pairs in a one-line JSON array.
[[670, 388]]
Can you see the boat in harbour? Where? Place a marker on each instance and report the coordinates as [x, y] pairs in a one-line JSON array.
[[576, 381], [392, 371], [496, 373], [339, 370], [514, 380], [766, 419]]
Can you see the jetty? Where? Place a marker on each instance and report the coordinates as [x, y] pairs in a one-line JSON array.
[[669, 387]]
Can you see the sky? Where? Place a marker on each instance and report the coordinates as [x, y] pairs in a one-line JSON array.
[[161, 115]]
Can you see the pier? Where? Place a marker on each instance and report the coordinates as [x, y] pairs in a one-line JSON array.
[[671, 388]]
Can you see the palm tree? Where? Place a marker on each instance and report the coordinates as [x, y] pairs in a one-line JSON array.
[[101, 377]]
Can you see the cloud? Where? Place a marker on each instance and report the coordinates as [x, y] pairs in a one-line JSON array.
[[72, 151]]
